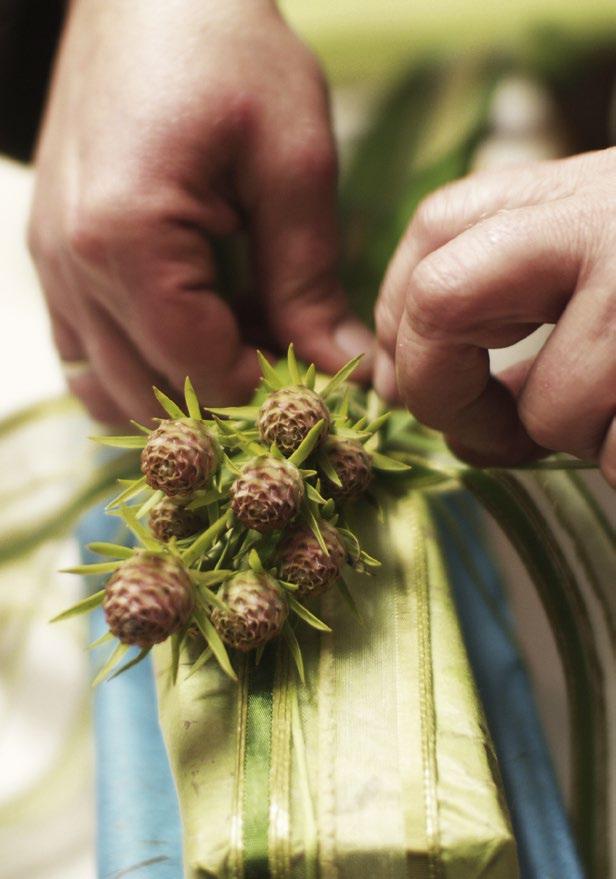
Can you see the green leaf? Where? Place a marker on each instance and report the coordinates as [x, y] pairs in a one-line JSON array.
[[113, 660], [269, 373], [205, 540], [239, 413], [313, 494], [295, 650], [154, 499], [296, 378], [200, 661], [127, 514], [208, 599], [306, 615], [378, 423], [134, 488], [293, 587], [314, 527], [83, 606], [96, 568], [310, 376], [347, 596], [215, 642], [146, 430], [341, 376], [369, 560], [176, 643], [328, 468], [307, 444], [192, 400], [121, 442], [134, 661], [102, 639], [210, 578], [391, 465], [563, 601], [255, 562], [172, 409], [115, 550]]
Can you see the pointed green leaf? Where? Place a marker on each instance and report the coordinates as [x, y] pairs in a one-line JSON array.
[[310, 376], [369, 560], [329, 508], [307, 444], [176, 642], [146, 430], [115, 550], [205, 540], [113, 660], [145, 508], [314, 527], [200, 661], [296, 378], [102, 639], [295, 650], [313, 494], [344, 590], [208, 599], [328, 468], [269, 373], [239, 413], [121, 442], [341, 376], [210, 578], [192, 400], [215, 642], [96, 568], [127, 514], [378, 423], [83, 606], [172, 409], [255, 562], [259, 653], [134, 487], [383, 462], [306, 615], [134, 661], [293, 587]]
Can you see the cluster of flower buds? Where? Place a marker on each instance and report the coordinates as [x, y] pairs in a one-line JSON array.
[[239, 516]]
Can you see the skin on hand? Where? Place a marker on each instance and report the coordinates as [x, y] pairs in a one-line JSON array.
[[483, 263], [172, 123]]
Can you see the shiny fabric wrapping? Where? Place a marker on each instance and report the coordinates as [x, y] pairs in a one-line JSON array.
[[380, 766]]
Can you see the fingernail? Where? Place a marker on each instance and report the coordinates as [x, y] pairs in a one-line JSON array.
[[385, 376], [353, 338]]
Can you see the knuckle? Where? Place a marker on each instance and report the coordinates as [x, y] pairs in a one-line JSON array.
[[435, 304], [431, 213], [86, 232]]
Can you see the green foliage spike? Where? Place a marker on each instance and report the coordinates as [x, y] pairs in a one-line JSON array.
[[341, 376], [307, 445], [83, 606], [192, 401], [307, 616], [172, 409], [292, 366]]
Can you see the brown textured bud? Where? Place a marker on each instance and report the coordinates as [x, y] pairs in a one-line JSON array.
[[303, 562], [147, 599], [287, 415], [267, 494], [169, 519], [256, 610], [353, 465], [179, 457]]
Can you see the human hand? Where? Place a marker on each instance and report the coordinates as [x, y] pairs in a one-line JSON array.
[[483, 263], [169, 125]]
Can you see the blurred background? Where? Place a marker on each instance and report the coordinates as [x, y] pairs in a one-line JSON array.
[[504, 82]]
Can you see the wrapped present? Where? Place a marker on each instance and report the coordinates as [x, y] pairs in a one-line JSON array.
[[379, 766]]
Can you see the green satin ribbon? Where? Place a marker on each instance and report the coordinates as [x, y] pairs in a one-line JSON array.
[[378, 768]]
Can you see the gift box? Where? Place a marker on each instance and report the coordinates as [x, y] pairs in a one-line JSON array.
[[379, 765]]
